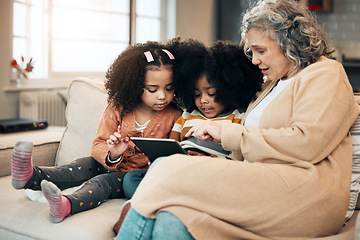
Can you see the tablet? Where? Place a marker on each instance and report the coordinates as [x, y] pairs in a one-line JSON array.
[[157, 147]]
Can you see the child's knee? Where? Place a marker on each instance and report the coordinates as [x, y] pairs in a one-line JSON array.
[[131, 181], [136, 175]]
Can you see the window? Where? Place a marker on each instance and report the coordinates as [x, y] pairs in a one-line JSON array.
[[70, 38]]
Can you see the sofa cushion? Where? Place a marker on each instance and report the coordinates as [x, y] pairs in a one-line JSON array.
[[46, 142], [82, 122], [20, 218]]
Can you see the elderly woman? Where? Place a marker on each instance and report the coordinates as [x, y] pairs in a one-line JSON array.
[[293, 154]]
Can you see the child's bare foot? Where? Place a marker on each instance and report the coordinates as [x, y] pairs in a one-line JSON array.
[[59, 205], [21, 164]]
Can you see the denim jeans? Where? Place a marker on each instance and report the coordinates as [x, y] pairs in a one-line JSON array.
[[131, 181], [133, 178], [165, 226]]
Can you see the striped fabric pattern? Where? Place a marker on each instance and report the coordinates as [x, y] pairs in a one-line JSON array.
[[188, 120], [21, 166], [59, 205], [355, 177]]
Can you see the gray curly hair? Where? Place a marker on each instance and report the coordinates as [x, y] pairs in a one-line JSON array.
[[294, 28]]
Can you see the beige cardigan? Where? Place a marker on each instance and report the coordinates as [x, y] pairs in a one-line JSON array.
[[297, 182]]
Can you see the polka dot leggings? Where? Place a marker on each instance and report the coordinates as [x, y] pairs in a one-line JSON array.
[[98, 184]]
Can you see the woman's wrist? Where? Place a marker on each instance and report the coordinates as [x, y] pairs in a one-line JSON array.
[[230, 133]]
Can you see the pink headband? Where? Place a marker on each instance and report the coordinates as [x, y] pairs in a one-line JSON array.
[[150, 58]]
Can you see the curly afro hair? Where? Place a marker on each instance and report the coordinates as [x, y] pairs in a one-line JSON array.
[[225, 66], [124, 80], [233, 75], [188, 67]]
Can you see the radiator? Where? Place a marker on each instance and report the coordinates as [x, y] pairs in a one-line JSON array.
[[45, 105]]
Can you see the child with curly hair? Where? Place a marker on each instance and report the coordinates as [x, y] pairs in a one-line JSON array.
[[220, 92], [140, 103], [217, 84]]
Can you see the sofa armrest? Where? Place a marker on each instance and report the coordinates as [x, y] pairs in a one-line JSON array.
[[44, 154], [46, 143]]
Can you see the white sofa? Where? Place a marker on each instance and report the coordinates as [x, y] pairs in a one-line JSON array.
[[21, 218]]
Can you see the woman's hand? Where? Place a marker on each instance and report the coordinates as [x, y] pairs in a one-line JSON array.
[[117, 144], [206, 131]]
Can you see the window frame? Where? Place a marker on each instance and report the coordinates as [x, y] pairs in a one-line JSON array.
[[166, 32]]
